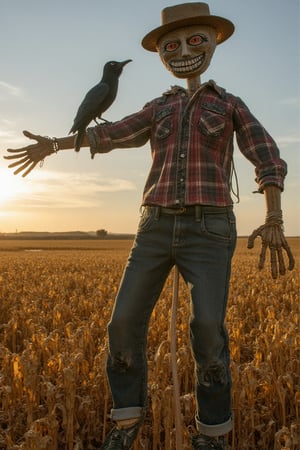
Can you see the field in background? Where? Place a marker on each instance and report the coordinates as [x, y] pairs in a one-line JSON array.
[[55, 301]]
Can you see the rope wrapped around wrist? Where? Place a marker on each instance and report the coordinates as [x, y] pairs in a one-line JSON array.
[[274, 217], [55, 145], [55, 148]]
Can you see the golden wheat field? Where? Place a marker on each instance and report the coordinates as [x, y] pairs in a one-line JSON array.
[[56, 298]]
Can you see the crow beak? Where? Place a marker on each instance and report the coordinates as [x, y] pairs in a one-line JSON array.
[[123, 63]]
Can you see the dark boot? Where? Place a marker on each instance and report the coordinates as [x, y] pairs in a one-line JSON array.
[[203, 442], [121, 439]]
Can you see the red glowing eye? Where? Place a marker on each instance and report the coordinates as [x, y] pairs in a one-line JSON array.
[[195, 40], [171, 46]]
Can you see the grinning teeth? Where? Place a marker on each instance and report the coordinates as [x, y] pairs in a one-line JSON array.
[[187, 65]]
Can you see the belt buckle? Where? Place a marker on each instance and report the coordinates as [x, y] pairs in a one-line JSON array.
[[181, 210]]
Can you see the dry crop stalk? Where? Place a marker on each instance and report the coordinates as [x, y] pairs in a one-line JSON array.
[[261, 320], [178, 423]]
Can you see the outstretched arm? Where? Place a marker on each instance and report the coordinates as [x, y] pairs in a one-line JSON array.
[[272, 235], [26, 158]]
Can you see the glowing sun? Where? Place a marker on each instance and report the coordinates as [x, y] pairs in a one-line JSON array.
[[12, 187]]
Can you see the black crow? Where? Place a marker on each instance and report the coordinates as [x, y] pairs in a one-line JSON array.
[[98, 99]]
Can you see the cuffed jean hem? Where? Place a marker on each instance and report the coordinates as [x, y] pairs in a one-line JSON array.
[[133, 412], [214, 430]]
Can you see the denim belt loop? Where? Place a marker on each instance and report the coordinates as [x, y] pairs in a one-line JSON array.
[[156, 213], [198, 213]]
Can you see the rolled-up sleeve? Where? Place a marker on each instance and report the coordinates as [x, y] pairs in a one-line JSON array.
[[132, 131], [259, 147]]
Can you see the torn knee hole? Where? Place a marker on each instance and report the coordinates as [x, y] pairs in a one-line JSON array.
[[212, 373], [120, 362]]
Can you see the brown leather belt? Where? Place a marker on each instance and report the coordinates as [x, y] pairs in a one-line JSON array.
[[192, 210]]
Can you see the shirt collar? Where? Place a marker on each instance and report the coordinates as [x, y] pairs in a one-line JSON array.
[[211, 83]]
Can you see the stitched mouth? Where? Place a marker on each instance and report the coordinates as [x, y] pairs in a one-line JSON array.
[[187, 65]]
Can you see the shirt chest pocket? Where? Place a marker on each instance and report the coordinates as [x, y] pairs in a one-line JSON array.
[[212, 121], [164, 123]]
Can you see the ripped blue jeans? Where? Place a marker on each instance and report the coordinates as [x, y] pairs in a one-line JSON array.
[[201, 245]]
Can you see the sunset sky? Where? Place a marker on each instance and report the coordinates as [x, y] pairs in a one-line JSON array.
[[52, 53]]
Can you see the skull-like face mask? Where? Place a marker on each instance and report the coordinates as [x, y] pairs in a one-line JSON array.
[[187, 51]]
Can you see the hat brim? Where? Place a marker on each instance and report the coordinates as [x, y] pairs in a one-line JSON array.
[[224, 29]]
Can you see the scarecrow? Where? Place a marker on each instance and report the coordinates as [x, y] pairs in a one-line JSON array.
[[187, 219]]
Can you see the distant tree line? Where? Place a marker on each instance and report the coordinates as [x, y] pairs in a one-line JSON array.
[[101, 234]]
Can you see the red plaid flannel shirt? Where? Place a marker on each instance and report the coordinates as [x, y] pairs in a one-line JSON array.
[[192, 145]]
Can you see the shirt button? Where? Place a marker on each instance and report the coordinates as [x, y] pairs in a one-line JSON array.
[[182, 155]]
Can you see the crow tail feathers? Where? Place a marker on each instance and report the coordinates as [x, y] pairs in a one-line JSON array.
[[78, 139]]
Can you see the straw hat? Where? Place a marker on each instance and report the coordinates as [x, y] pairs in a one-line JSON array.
[[186, 14]]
